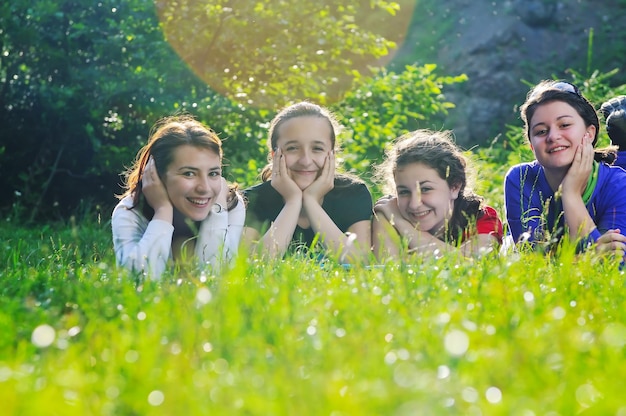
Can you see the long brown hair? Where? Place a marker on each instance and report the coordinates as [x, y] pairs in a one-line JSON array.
[[166, 136]]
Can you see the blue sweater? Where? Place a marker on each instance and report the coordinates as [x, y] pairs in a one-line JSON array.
[[621, 159], [531, 206]]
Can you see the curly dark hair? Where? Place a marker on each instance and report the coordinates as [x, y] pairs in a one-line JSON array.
[[436, 150]]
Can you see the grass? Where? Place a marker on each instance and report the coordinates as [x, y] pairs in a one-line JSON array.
[[517, 336]]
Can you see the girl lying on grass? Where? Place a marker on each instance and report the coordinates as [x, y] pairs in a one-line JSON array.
[[177, 202], [303, 198], [565, 192], [430, 209]]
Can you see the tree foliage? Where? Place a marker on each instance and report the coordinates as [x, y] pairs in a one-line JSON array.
[[81, 83], [267, 53]]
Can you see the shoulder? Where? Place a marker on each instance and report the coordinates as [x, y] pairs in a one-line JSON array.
[[254, 189], [262, 190], [349, 182], [486, 212], [125, 205], [488, 222], [523, 169], [613, 177]]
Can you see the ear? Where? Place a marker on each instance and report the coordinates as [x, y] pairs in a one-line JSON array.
[[591, 132], [454, 191]]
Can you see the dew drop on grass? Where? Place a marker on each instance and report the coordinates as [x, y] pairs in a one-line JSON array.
[[443, 372], [203, 296], [456, 342], [614, 334], [529, 297], [391, 358], [311, 330], [340, 332], [131, 356], [448, 402], [469, 394], [156, 398], [493, 395], [587, 395], [5, 373], [388, 337], [73, 331], [207, 347], [490, 329], [112, 392], [558, 313], [141, 316], [43, 336]]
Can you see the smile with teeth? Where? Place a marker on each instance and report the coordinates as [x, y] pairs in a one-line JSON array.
[[557, 149], [199, 201], [421, 213]]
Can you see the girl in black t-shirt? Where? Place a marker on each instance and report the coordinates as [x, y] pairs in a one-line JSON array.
[[302, 196]]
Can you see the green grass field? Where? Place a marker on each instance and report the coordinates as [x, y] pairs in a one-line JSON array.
[[498, 336]]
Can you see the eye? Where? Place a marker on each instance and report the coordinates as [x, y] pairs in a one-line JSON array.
[[215, 174], [403, 192], [541, 132], [426, 189], [565, 125], [319, 149], [291, 148], [188, 173]]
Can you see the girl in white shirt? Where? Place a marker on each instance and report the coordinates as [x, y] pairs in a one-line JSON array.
[[177, 204]]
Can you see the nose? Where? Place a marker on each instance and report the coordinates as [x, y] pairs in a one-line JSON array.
[[416, 200], [202, 184], [553, 135], [305, 158]]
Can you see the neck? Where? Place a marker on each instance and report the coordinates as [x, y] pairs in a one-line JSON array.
[[555, 177]]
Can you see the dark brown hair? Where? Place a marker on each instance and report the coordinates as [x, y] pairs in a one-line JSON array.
[[436, 150], [550, 91]]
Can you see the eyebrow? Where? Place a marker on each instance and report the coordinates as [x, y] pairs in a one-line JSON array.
[[298, 142], [197, 169], [407, 187], [558, 118]]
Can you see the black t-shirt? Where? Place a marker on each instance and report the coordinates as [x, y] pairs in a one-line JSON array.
[[346, 204]]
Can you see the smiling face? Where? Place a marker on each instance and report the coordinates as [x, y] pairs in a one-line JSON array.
[[555, 132], [193, 181], [424, 198], [305, 143]]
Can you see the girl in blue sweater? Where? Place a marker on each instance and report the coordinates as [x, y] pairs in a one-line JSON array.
[[568, 190]]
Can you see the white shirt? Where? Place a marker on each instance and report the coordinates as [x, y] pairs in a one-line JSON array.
[[146, 246]]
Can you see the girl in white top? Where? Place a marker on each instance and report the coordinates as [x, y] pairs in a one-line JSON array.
[[177, 202]]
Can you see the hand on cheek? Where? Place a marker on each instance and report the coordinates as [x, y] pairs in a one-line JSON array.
[[281, 178], [325, 181], [152, 188]]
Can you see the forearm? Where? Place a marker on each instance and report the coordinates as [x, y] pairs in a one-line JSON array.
[[386, 242], [141, 249], [419, 241], [344, 246], [577, 218], [277, 239]]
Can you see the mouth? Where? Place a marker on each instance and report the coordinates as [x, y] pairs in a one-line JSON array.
[[306, 172], [421, 214], [199, 202], [557, 149]]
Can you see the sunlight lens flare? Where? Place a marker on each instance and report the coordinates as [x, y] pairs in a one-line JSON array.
[[258, 51]]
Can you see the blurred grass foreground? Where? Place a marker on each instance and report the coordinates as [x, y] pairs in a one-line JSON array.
[[525, 335]]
